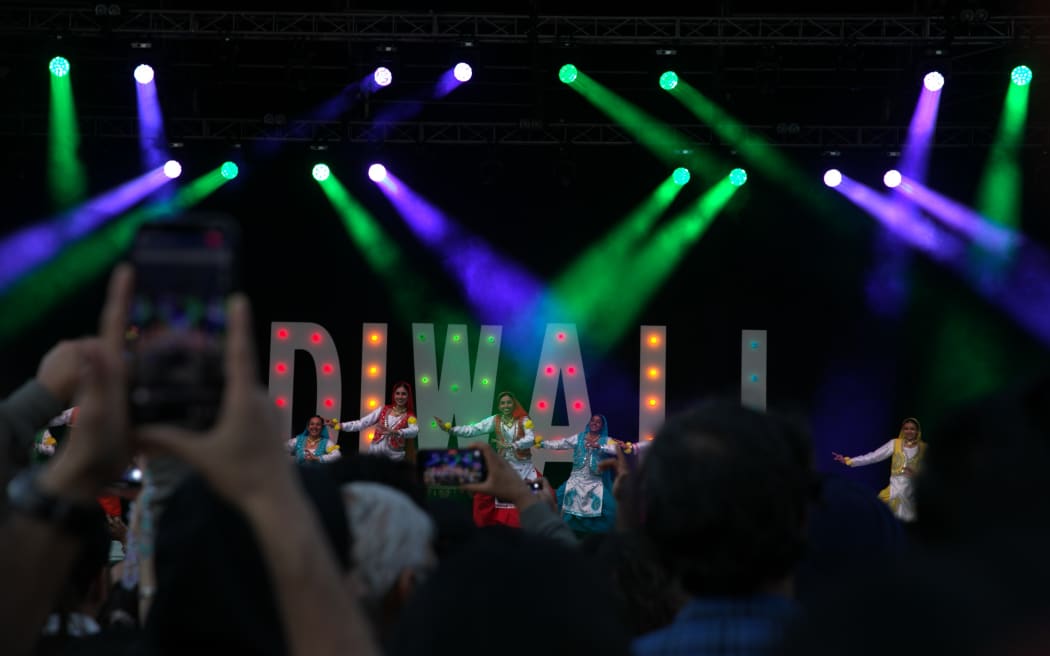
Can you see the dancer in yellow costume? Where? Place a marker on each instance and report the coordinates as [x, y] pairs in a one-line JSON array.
[[905, 452]]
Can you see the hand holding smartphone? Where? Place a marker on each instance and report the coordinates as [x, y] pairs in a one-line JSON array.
[[184, 272]]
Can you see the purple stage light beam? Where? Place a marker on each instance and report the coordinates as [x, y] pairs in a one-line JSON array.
[[915, 155], [153, 143], [30, 247], [1019, 286], [452, 78], [896, 216], [492, 282], [987, 234]]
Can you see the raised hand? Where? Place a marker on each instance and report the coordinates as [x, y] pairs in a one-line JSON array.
[[839, 458], [102, 446], [245, 467]]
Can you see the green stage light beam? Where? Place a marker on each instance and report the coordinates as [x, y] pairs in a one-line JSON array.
[[958, 327], [657, 259], [197, 190], [999, 191], [37, 294], [591, 282], [666, 143], [66, 177], [381, 254], [753, 148]]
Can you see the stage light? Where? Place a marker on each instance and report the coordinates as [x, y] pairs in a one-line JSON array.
[[680, 176], [143, 73], [567, 73], [668, 80], [321, 172], [892, 179], [382, 76], [737, 177], [832, 178], [377, 173], [1021, 76], [933, 81], [172, 169], [463, 72], [59, 66], [229, 170]]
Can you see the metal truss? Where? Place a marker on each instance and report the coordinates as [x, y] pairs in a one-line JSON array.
[[498, 28], [332, 133]]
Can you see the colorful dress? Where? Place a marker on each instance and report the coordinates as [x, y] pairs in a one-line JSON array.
[[324, 451], [898, 494], [502, 436], [586, 498], [386, 444]]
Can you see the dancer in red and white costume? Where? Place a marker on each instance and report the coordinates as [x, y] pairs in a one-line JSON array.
[[395, 424]]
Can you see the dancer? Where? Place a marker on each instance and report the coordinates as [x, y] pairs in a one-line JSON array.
[[312, 445], [906, 451], [510, 425], [586, 498], [396, 425]]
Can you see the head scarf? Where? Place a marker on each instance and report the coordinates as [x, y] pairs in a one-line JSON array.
[[604, 433], [913, 420], [518, 411], [300, 443], [411, 405]]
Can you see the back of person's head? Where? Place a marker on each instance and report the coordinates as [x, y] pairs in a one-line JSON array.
[[848, 529], [986, 471], [514, 594], [723, 498], [214, 593], [646, 596], [398, 474], [393, 537]]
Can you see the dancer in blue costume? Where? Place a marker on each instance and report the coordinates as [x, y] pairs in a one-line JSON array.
[[586, 498], [312, 444]]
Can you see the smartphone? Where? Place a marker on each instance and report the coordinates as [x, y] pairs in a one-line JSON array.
[[451, 466], [184, 272]]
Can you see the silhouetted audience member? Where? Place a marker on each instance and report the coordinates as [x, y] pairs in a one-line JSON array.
[[393, 548], [847, 528], [976, 578], [647, 598], [512, 593], [369, 467], [213, 588], [723, 499]]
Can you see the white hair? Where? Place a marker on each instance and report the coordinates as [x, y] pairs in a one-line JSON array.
[[390, 534]]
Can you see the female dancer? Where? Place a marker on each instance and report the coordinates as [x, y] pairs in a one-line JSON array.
[[906, 451], [312, 445], [396, 425], [586, 498], [510, 425]]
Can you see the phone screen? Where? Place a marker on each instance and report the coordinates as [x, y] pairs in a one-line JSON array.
[[184, 273], [452, 466]]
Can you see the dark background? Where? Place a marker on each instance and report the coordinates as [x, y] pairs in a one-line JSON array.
[[848, 367]]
